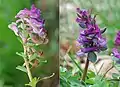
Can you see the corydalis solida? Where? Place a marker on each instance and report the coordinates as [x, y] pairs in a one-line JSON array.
[[30, 26], [90, 37], [115, 50]]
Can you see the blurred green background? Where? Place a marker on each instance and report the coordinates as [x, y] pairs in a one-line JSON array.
[[9, 45]]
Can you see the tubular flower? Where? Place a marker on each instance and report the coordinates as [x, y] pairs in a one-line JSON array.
[[117, 39], [30, 26], [90, 37], [115, 50]]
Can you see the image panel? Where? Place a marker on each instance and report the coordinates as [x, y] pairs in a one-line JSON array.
[[29, 43], [89, 43]]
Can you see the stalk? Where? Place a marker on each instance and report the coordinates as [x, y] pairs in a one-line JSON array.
[[27, 65], [85, 70]]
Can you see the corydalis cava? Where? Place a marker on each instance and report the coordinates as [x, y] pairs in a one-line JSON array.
[[90, 37], [29, 26]]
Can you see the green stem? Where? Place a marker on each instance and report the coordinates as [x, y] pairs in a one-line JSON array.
[[85, 70], [75, 63], [27, 65]]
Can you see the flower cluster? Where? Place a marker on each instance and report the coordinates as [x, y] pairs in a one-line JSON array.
[[90, 36], [29, 26], [115, 50]]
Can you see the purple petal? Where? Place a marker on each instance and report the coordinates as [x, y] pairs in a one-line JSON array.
[[80, 54], [14, 28], [117, 40], [116, 53], [89, 49], [35, 13]]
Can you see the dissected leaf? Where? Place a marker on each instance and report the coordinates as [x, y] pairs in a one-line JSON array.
[[21, 54], [33, 82], [22, 68]]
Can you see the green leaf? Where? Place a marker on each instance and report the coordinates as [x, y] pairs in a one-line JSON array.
[[21, 54], [92, 57], [73, 59], [20, 40], [34, 56], [22, 68], [30, 44], [90, 74], [43, 61], [90, 81], [63, 69], [115, 75], [33, 82], [117, 66]]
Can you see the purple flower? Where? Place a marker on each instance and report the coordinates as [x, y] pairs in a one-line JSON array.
[[117, 40], [116, 53], [115, 50], [13, 27], [91, 36], [33, 13], [29, 23]]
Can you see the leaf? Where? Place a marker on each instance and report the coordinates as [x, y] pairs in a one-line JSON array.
[[30, 44], [100, 83], [43, 61], [92, 57], [90, 81], [91, 74], [22, 68], [33, 82], [20, 40], [73, 60], [115, 75], [21, 54], [117, 66], [63, 69], [34, 56]]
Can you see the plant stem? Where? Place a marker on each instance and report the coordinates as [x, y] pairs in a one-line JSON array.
[[72, 58], [27, 65], [85, 70]]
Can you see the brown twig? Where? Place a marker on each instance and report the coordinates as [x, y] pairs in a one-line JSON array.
[[85, 70], [107, 71]]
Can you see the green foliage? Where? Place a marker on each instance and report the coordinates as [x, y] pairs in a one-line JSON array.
[[117, 66], [33, 82], [100, 83], [72, 58], [69, 80]]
